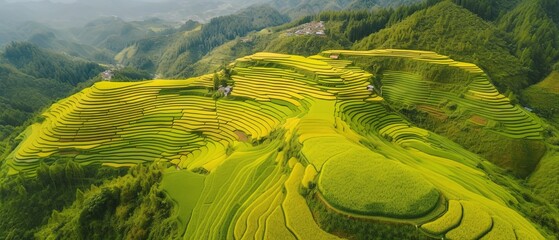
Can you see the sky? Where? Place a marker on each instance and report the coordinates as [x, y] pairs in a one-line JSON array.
[[58, 1], [69, 1]]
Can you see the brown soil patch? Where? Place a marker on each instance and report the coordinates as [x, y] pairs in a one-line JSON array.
[[479, 120], [433, 112], [242, 136]]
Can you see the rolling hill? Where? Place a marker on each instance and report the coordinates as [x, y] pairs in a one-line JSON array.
[[298, 139], [341, 28], [428, 120], [31, 78], [175, 58], [450, 29]]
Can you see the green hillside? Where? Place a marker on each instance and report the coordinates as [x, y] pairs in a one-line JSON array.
[[298, 139], [34, 61], [544, 97], [51, 41], [173, 54], [452, 30], [114, 34], [32, 78], [535, 29], [146, 53], [21, 31]]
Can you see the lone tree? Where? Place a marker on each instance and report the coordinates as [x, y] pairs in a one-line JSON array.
[[222, 79], [227, 73], [216, 81]]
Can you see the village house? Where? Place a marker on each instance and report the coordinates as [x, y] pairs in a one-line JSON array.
[[225, 90], [107, 75]]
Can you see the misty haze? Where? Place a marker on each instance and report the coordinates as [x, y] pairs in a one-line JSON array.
[[76, 13]]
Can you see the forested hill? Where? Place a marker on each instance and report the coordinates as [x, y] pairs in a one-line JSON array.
[[31, 78], [187, 49], [517, 44], [43, 64], [298, 8], [78, 12], [500, 36], [114, 34], [453, 30], [534, 26]]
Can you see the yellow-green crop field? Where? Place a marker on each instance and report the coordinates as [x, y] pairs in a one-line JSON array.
[[296, 130], [396, 191]]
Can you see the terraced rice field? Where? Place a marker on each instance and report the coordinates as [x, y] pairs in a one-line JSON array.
[[446, 165], [481, 100], [478, 97], [449, 220], [135, 123], [238, 165], [467, 220]]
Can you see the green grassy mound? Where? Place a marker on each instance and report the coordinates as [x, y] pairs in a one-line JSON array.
[[544, 97], [365, 183], [544, 182], [186, 188]]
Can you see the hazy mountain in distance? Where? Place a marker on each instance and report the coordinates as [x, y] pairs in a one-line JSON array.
[[299, 8], [76, 13], [15, 15]]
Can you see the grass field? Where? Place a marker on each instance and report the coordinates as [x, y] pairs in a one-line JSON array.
[[544, 97], [185, 188]]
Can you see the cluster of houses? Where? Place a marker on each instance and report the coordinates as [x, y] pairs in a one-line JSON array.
[[107, 75], [312, 28]]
